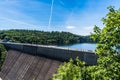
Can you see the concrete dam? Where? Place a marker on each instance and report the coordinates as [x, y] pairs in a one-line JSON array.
[[38, 62]]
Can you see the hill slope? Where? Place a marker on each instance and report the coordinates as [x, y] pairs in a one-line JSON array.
[[41, 37]]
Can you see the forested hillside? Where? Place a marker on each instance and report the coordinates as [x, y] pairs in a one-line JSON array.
[[41, 37]]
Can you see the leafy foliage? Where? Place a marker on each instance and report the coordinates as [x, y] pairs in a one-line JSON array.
[[3, 53], [108, 47], [70, 71], [109, 36]]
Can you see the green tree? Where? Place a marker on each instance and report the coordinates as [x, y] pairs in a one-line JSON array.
[[3, 53], [108, 46], [108, 67], [109, 36]]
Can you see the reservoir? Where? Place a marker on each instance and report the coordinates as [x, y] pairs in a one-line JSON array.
[[81, 46]]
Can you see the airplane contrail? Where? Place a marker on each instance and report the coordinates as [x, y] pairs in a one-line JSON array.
[[51, 11]]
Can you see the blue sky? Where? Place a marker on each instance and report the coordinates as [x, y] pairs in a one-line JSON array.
[[75, 16]]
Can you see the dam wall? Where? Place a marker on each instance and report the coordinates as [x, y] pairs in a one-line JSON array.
[[54, 52]]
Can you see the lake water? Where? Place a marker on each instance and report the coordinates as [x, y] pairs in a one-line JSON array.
[[81, 46]]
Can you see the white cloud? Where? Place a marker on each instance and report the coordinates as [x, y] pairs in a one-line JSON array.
[[70, 27], [17, 22], [89, 28], [7, 23], [0, 78]]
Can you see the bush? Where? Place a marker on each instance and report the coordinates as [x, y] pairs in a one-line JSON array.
[[3, 54]]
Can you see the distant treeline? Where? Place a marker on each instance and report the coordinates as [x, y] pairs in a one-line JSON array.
[[41, 37]]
